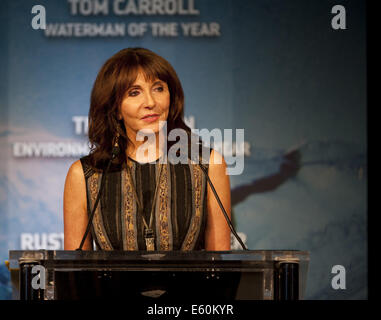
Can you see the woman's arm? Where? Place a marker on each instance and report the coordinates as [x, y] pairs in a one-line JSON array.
[[217, 235], [75, 209]]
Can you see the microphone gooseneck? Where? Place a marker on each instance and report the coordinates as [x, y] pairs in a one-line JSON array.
[[114, 153], [222, 208]]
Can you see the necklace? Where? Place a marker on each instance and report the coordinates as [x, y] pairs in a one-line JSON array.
[[149, 235]]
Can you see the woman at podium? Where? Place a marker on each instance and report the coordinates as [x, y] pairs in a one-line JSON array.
[[142, 199]]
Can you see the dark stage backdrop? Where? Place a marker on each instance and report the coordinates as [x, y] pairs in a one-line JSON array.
[[276, 69]]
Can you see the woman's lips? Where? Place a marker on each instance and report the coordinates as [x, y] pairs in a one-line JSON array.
[[151, 118]]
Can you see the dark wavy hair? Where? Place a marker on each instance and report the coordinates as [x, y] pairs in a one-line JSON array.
[[113, 80]]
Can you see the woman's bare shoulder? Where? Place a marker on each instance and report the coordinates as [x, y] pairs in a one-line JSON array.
[[75, 173], [216, 158], [76, 169], [75, 187]]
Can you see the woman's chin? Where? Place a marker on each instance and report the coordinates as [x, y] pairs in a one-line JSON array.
[[150, 129], [154, 127]]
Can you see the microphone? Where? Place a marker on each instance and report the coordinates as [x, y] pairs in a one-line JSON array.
[[114, 153], [198, 159], [230, 224]]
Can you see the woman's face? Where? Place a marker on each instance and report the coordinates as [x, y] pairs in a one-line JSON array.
[[145, 103]]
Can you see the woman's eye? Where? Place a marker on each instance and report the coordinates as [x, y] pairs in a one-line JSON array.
[[133, 93], [159, 89]]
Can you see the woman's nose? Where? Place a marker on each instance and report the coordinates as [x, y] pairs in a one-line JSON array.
[[150, 101]]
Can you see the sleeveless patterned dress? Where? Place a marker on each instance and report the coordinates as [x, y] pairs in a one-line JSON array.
[[179, 213]]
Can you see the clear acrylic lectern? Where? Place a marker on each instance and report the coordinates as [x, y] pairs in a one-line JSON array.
[[163, 275]]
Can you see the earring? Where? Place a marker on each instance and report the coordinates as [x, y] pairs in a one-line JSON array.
[[115, 149], [116, 140]]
